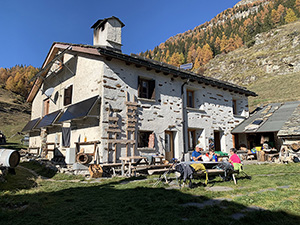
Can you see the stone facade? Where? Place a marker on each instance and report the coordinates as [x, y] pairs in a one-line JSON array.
[[116, 80]]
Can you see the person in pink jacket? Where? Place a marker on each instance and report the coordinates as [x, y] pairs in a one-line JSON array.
[[234, 157]]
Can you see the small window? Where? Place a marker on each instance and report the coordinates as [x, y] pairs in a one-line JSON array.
[[46, 107], [191, 139], [190, 99], [143, 139], [234, 107], [257, 122], [146, 88], [68, 95]]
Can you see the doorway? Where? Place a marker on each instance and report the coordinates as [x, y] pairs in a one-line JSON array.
[[169, 145], [217, 139]]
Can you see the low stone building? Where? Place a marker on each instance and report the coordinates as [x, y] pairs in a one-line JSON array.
[[126, 105], [276, 124]]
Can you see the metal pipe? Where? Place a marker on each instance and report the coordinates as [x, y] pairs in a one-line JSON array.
[[184, 127], [9, 158]]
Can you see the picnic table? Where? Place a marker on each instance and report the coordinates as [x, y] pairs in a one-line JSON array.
[[134, 161], [211, 171]]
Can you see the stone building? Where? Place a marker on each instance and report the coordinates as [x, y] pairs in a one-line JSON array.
[[276, 124], [126, 104]]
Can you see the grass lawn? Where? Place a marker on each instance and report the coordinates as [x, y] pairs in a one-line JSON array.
[[63, 199]]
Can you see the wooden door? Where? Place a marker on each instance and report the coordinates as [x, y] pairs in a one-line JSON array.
[[169, 145], [217, 138]]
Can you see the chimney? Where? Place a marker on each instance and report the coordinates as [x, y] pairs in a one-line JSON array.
[[107, 32]]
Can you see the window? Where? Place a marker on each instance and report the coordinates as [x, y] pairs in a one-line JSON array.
[[146, 88], [190, 98], [68, 95], [191, 139], [143, 139], [234, 109], [46, 107], [257, 122]]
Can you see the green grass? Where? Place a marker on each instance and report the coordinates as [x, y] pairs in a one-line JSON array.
[[14, 115], [27, 200], [275, 89]]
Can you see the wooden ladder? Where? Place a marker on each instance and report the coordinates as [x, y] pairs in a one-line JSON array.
[[112, 131], [131, 123]]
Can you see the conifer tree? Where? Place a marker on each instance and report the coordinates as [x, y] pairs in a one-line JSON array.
[[297, 5], [290, 16]]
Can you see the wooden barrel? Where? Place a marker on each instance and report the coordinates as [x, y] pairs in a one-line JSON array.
[[9, 158]]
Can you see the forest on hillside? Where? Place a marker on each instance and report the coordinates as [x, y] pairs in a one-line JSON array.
[[226, 32], [18, 79]]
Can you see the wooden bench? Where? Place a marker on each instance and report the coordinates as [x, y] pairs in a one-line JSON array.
[[215, 172], [160, 171]]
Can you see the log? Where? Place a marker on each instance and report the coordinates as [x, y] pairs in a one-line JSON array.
[[260, 156], [95, 170]]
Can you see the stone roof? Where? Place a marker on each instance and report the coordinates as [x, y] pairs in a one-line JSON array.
[[110, 53], [283, 118], [101, 22], [292, 125], [166, 68]]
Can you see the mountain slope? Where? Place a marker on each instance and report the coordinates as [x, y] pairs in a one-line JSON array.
[[226, 32], [271, 67], [14, 114]]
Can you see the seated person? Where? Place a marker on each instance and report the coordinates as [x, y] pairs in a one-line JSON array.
[[234, 157], [196, 155], [212, 156]]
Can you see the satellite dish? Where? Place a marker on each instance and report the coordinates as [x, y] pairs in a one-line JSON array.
[[49, 92]]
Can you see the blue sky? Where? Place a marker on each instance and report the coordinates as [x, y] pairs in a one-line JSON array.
[[29, 27]]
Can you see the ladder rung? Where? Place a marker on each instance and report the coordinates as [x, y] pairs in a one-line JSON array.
[[132, 107], [111, 141], [113, 125], [132, 120], [113, 130], [130, 129], [131, 114], [132, 103], [113, 118]]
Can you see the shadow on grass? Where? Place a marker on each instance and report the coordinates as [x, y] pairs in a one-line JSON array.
[[40, 169], [22, 179], [109, 204]]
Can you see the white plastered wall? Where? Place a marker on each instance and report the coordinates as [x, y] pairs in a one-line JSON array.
[[85, 78], [213, 112]]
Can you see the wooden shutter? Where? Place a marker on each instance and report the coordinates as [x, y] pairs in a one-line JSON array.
[[46, 107], [152, 89], [139, 87], [68, 95]]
